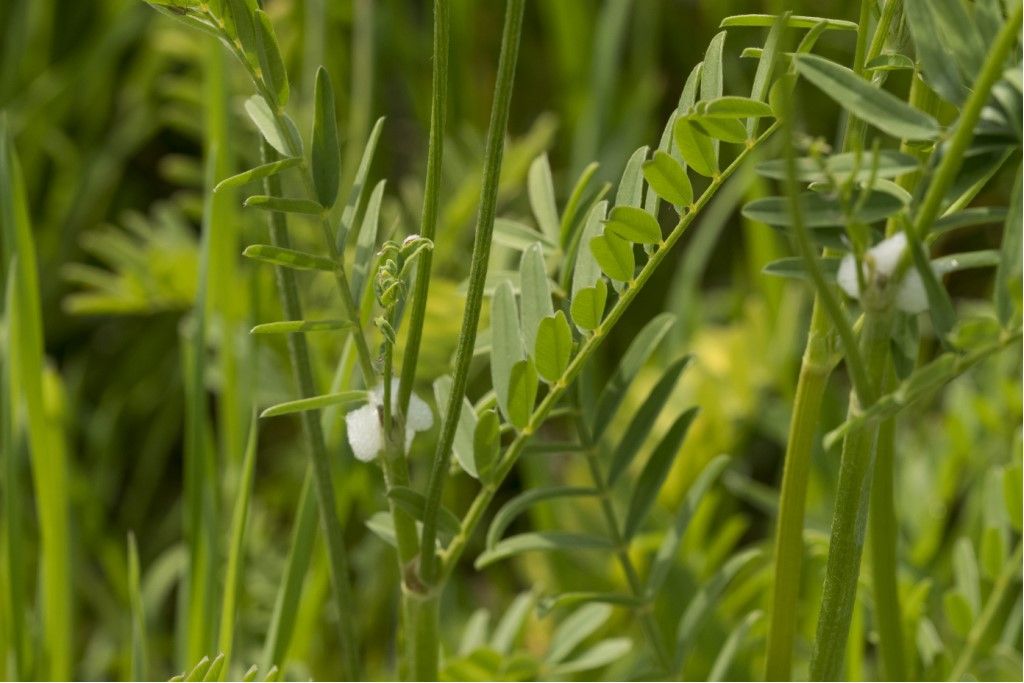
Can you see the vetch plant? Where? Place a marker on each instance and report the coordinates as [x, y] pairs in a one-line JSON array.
[[598, 453]]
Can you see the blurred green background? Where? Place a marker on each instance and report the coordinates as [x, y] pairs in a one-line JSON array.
[[105, 100]]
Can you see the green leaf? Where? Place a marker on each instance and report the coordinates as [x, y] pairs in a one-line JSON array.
[[326, 152], [462, 446], [506, 343], [284, 204], [631, 185], [615, 256], [1013, 495], [993, 552], [199, 670], [271, 63], [666, 556], [366, 243], [696, 148], [588, 306], [576, 628], [1008, 274], [958, 612], [258, 173], [586, 272], [511, 624], [414, 504], [543, 540], [280, 133], [355, 194], [821, 210], [541, 190], [796, 267], [551, 602], [553, 348], [935, 39], [783, 84], [720, 669], [294, 326], [878, 107], [535, 295], [641, 348], [522, 392], [289, 258], [346, 399], [733, 107], [238, 18], [965, 571], [792, 21], [575, 204], [668, 179], [643, 421], [968, 218], [486, 444], [841, 167], [724, 129], [653, 475], [891, 61], [634, 225], [706, 598], [519, 236], [712, 78], [940, 307], [602, 654], [516, 506], [139, 663]]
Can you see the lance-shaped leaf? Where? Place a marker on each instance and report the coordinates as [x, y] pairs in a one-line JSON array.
[[633, 224], [366, 243], [636, 355], [601, 654], [279, 131], [588, 306], [522, 392], [544, 540], [576, 628], [414, 503], [520, 236], [631, 185], [697, 149], [518, 505], [535, 294], [271, 63], [673, 537], [1008, 274], [486, 444], [289, 258], [668, 179], [462, 446], [734, 107], [724, 129], [887, 163], [346, 399], [553, 347], [300, 326], [326, 152], [615, 256], [878, 107], [586, 272], [820, 210], [506, 343], [507, 631], [968, 218], [643, 421], [284, 204], [724, 660], [653, 475], [355, 193], [258, 173], [792, 21], [541, 190]]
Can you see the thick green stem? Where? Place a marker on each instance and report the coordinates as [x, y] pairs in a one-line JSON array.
[[508, 459], [336, 553], [882, 533], [431, 202], [789, 532], [849, 519], [477, 278]]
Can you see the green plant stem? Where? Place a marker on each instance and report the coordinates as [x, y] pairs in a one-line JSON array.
[[431, 202], [299, 351], [647, 622], [882, 534], [815, 369], [477, 277], [849, 519], [1001, 591], [508, 459], [425, 630]]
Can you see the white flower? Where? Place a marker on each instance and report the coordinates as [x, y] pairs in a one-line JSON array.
[[365, 433], [886, 255]]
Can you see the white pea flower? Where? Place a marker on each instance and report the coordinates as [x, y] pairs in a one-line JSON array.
[[365, 432], [886, 255]]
